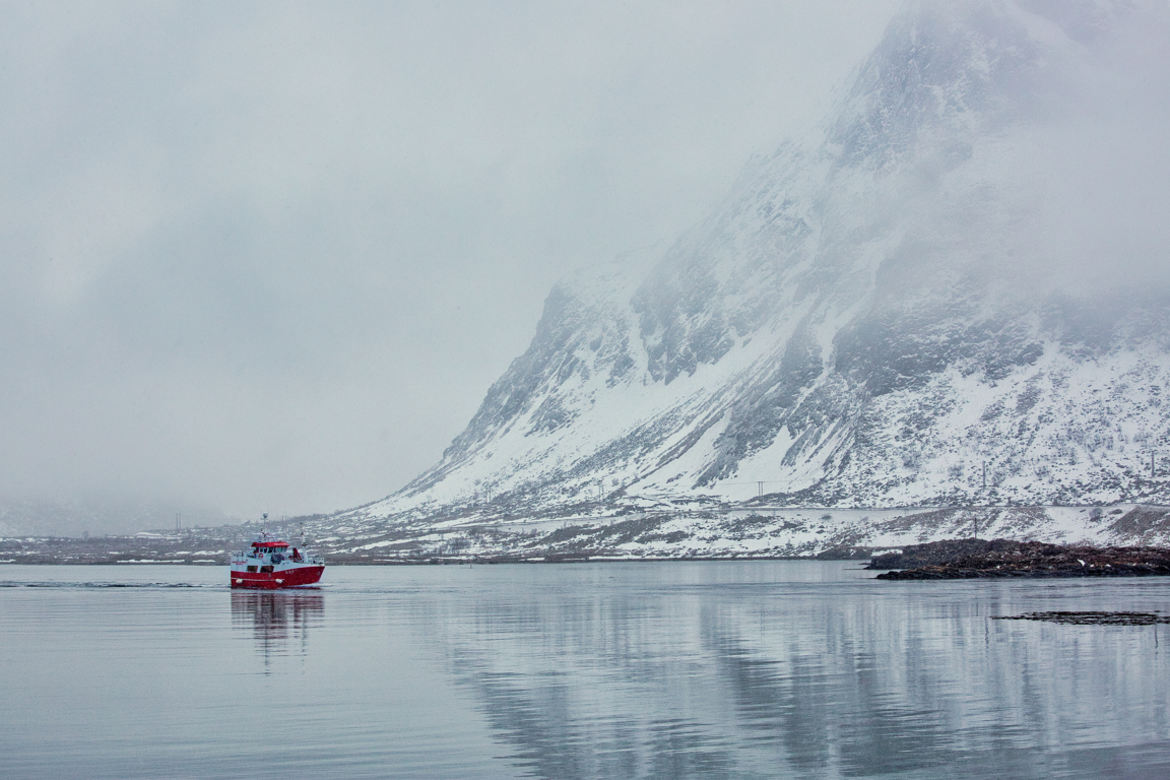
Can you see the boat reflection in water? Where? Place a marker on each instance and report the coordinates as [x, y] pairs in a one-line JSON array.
[[280, 620]]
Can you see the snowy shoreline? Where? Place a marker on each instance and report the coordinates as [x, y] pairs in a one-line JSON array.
[[726, 533]]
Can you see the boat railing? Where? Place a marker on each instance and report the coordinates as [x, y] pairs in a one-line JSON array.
[[316, 560]]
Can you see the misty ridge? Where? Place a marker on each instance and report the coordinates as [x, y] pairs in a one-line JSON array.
[[1027, 133], [975, 223]]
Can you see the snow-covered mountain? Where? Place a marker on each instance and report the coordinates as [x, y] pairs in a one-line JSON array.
[[953, 292]]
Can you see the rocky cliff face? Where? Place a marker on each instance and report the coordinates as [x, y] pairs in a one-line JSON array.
[[912, 306]]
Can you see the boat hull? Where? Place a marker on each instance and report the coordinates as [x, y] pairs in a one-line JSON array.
[[297, 577]]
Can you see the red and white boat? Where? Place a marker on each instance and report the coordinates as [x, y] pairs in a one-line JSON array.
[[272, 563]]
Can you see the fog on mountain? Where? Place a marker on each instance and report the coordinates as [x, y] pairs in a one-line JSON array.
[[956, 291]]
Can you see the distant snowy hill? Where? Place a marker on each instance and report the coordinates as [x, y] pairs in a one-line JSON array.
[[954, 292], [80, 516]]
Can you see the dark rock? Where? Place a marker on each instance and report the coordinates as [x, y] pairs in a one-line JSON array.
[[946, 551], [1004, 558], [1092, 618]]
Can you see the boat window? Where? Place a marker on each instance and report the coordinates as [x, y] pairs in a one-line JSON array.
[[251, 568], [265, 568]]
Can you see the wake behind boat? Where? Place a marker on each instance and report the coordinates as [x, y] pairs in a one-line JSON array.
[[272, 563]]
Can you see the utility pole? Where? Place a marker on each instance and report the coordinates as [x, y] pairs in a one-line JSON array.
[[760, 489]]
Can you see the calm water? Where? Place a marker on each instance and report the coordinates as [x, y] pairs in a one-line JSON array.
[[738, 669]]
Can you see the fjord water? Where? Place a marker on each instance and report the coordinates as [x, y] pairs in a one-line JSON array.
[[741, 669]]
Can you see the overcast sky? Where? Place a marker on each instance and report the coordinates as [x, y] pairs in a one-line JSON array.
[[269, 256]]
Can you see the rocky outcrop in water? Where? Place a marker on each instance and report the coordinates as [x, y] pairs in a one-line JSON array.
[[1004, 558], [1091, 618]]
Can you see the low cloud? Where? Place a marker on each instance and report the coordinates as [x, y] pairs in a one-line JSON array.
[[269, 257]]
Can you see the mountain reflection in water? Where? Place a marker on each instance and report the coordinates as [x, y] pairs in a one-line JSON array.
[[689, 669], [795, 678]]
